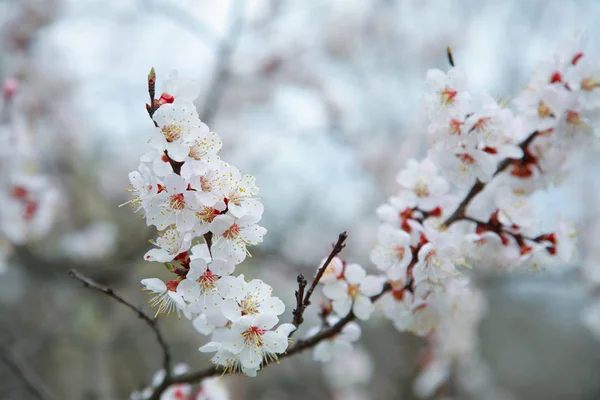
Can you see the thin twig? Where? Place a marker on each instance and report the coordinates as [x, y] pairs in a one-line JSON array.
[[298, 347], [460, 211], [151, 322], [31, 382], [297, 312], [337, 248]]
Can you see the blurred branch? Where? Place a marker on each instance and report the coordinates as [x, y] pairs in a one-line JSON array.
[[151, 322], [31, 382], [221, 72], [182, 19]]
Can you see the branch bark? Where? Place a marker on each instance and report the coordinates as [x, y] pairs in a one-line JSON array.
[[151, 322]]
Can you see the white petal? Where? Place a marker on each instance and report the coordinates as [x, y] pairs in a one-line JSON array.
[[354, 273], [155, 285], [275, 342], [272, 305], [222, 267], [363, 308], [350, 332], [336, 290], [342, 306], [231, 309], [158, 255], [371, 285]]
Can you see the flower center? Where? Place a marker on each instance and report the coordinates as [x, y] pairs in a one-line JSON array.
[[353, 291], [448, 96], [466, 158], [556, 77], [589, 84], [177, 202], [207, 214], [421, 189], [171, 132], [249, 306], [481, 124], [573, 118], [400, 252], [543, 110], [207, 280], [253, 336], [205, 184], [232, 232], [455, 127], [196, 151]]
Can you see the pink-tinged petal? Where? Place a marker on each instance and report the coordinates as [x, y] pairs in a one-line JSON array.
[[336, 290], [342, 306], [363, 308], [354, 273]]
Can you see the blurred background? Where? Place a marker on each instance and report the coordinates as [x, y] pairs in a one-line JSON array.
[[321, 101]]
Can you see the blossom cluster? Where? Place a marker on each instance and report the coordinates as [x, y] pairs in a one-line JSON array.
[[466, 205], [206, 212], [27, 196], [210, 388]]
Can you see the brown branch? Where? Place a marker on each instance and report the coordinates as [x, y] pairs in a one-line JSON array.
[[151, 322], [460, 211], [301, 306], [298, 347], [31, 382], [298, 311]]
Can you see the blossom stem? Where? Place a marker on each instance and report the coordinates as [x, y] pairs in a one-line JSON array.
[[301, 305], [460, 211]]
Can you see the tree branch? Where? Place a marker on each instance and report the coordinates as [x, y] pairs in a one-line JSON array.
[[301, 305], [31, 382], [298, 347], [151, 322], [460, 211]]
